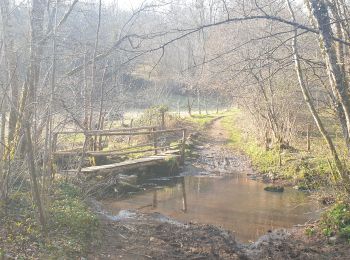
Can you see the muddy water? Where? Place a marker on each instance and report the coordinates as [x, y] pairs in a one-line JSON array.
[[232, 202]]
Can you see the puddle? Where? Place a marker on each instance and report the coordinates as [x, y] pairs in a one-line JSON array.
[[233, 202]]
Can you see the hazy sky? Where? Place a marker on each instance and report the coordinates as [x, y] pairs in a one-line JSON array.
[[126, 4]]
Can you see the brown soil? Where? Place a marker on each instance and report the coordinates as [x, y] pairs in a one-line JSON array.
[[149, 236], [153, 236]]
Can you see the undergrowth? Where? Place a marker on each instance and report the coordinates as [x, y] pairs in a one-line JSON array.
[[71, 226], [336, 220]]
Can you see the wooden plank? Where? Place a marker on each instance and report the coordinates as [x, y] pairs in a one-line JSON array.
[[125, 164], [113, 152], [176, 151], [70, 152], [136, 133], [107, 153], [78, 151]]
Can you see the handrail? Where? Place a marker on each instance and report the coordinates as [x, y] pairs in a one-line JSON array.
[[137, 133], [94, 132], [122, 132]]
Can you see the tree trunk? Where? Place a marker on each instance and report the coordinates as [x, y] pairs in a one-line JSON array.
[[94, 63], [189, 107], [11, 66], [337, 79], [311, 106], [199, 102], [33, 177]]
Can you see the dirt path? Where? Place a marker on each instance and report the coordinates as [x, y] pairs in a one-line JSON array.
[[215, 156], [136, 235]]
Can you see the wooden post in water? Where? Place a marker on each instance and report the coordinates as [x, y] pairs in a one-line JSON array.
[[183, 146], [154, 140], [184, 197], [155, 200]]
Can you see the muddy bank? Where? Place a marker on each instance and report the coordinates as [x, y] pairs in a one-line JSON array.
[[135, 235], [153, 236]]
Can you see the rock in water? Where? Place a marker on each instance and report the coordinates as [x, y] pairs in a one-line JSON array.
[[274, 188]]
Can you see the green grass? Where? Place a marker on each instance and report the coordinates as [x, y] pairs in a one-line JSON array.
[[264, 160], [70, 139], [307, 169], [202, 120]]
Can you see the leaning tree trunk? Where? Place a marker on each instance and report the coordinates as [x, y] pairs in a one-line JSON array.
[[310, 104], [337, 78]]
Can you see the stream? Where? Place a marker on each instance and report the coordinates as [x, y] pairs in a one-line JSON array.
[[234, 202]]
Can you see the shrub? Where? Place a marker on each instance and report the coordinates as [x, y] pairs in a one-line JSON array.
[[336, 220]]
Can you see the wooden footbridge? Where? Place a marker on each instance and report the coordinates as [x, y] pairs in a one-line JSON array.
[[145, 145]]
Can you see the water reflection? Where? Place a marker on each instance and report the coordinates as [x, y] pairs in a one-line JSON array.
[[233, 202], [184, 197]]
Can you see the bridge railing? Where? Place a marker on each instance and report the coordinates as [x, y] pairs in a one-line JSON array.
[[115, 143]]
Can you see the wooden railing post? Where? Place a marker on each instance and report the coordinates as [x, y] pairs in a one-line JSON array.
[[52, 155], [54, 142], [81, 161], [154, 140], [183, 146]]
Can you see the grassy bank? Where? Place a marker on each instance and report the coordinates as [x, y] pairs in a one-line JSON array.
[[71, 226], [309, 170]]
